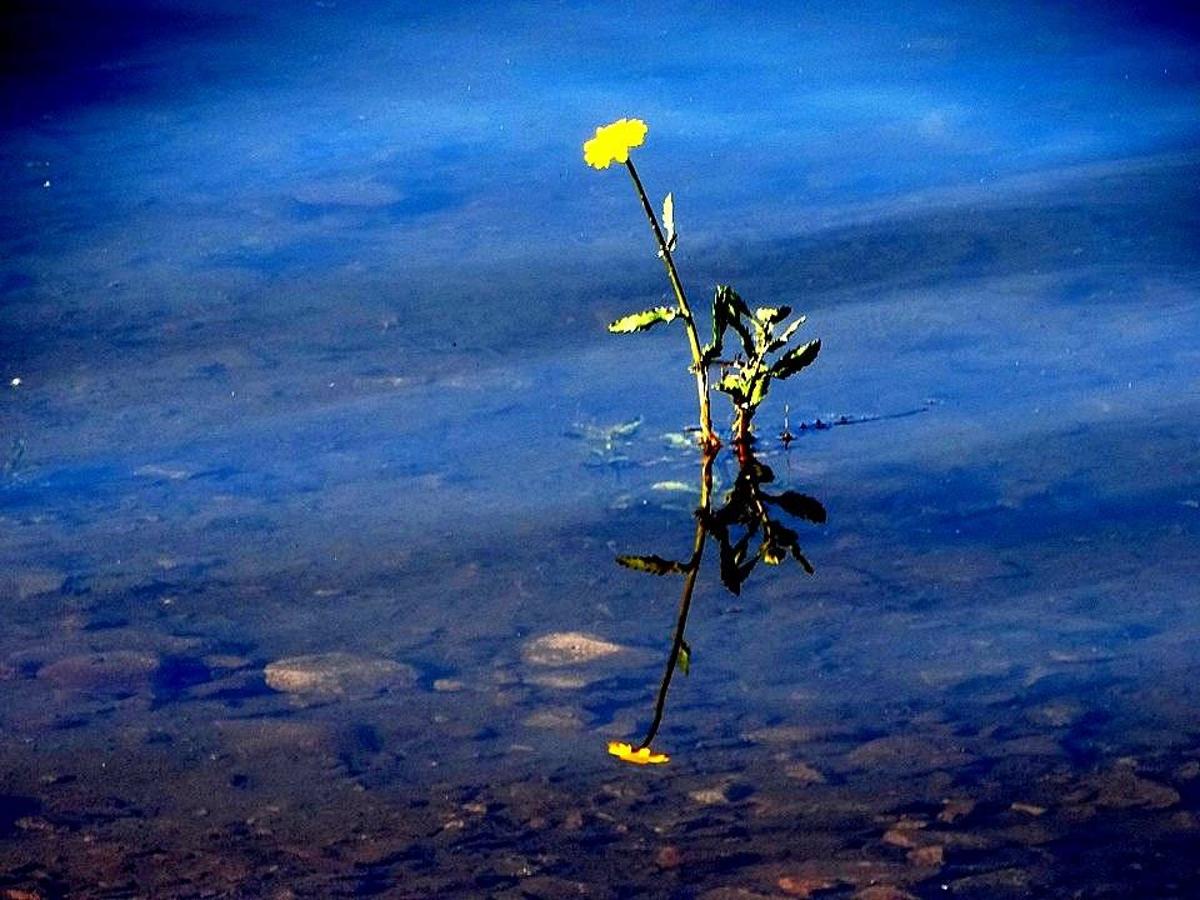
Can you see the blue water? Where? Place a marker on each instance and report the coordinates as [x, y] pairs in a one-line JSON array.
[[302, 319]]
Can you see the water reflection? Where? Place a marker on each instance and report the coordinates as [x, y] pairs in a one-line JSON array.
[[749, 514]]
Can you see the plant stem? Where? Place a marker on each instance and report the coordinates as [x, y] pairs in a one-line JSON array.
[[708, 437], [685, 601], [741, 433]]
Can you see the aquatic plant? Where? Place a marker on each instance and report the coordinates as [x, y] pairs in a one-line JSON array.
[[610, 144], [747, 377], [762, 356]]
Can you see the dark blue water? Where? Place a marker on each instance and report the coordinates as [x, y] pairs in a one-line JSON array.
[[302, 319]]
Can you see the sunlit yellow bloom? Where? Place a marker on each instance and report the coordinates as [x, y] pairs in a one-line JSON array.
[[642, 757], [613, 142]]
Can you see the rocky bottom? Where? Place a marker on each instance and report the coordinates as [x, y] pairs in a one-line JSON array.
[[302, 808]]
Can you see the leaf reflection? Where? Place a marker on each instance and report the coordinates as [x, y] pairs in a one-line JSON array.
[[748, 528]]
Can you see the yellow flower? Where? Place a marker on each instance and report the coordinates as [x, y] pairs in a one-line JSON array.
[[640, 757], [613, 142]]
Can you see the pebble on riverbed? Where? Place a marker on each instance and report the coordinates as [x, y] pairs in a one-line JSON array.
[[115, 672], [575, 660], [330, 675], [566, 648]]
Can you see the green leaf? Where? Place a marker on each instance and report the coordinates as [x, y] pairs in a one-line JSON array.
[[758, 390], [781, 341], [653, 564], [734, 309], [640, 321], [772, 315], [720, 321], [734, 386], [685, 658], [732, 382], [734, 300], [795, 360]]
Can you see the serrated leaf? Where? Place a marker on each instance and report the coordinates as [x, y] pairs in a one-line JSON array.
[[653, 564], [685, 658], [772, 315], [734, 386], [781, 341], [799, 505], [641, 321], [720, 321], [734, 300], [794, 360], [731, 382]]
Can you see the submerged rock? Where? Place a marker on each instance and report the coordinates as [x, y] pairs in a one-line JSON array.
[[1121, 788], [338, 675], [116, 672], [909, 753], [556, 719], [23, 584], [270, 737], [572, 660], [883, 892], [568, 648], [929, 856], [1011, 882], [803, 773], [566, 681], [717, 795], [955, 809]]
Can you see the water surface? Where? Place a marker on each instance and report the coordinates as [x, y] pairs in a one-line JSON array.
[[306, 305]]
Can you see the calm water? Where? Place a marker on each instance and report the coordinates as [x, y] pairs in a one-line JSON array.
[[301, 325]]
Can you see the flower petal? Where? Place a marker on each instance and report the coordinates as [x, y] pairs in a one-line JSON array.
[[613, 142]]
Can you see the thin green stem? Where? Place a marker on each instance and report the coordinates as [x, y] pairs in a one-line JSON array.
[[707, 436], [685, 601]]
